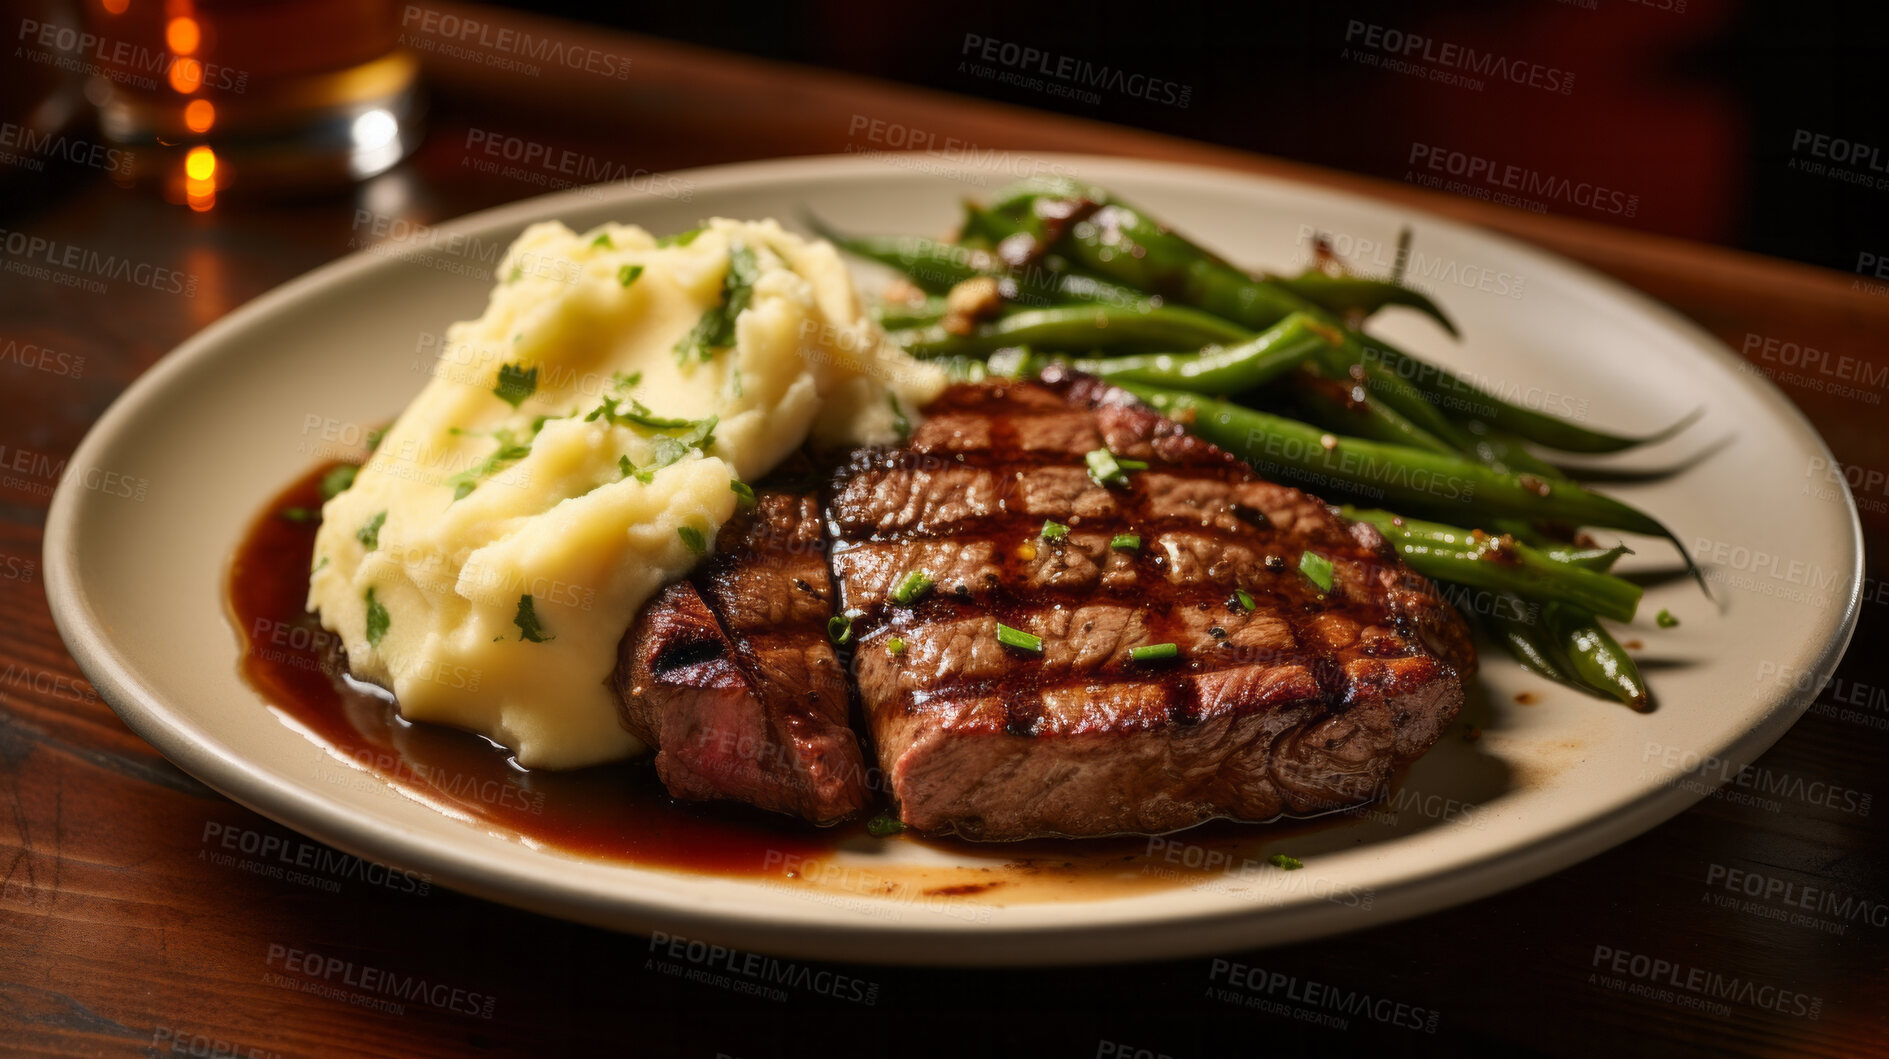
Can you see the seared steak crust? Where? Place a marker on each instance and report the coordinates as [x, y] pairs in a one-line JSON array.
[[730, 675], [1303, 702]]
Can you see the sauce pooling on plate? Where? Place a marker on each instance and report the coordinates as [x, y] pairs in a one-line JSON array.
[[620, 812], [617, 812]]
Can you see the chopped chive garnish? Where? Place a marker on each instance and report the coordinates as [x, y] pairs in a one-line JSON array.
[[1018, 639], [1666, 619], [1127, 542], [1054, 531], [839, 628], [884, 825], [603, 241], [912, 586], [1154, 652], [1318, 568], [1105, 469], [1280, 860], [693, 538], [744, 492], [1246, 601], [300, 515], [1131, 465], [895, 645], [627, 274]]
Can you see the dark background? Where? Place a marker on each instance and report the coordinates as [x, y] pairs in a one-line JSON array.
[[1692, 105]]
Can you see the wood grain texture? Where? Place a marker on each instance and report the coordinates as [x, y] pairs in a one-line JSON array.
[[124, 930]]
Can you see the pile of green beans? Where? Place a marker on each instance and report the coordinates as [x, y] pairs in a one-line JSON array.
[[1098, 285]]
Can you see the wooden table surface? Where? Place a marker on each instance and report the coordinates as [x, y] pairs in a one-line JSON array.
[[119, 935]]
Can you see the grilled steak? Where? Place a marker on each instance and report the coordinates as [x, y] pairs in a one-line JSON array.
[[730, 676], [1289, 699]]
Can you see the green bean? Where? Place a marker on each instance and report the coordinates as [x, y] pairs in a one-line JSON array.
[[1599, 559], [1501, 563], [1081, 327], [936, 266], [1595, 659], [1214, 370], [1343, 406], [932, 265], [1344, 294], [1517, 625], [1448, 390], [1124, 244], [1281, 446], [895, 316]]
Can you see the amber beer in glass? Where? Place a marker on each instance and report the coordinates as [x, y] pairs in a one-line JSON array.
[[252, 95]]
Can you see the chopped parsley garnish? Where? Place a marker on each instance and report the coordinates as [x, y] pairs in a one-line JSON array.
[[680, 238], [515, 383], [323, 562], [603, 240], [895, 646], [620, 381], [1127, 542], [1280, 860], [900, 423], [518, 273], [884, 825], [369, 534], [337, 480], [377, 620], [716, 328], [1019, 639], [1665, 619], [299, 515], [744, 493], [839, 629], [1318, 568], [912, 586], [693, 539], [527, 621], [668, 451], [1054, 531], [628, 274], [1105, 468], [643, 475], [373, 438], [638, 415], [1154, 652], [1246, 600], [509, 451]]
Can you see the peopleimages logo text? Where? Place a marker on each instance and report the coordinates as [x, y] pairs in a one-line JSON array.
[[1418, 48], [1068, 68], [1523, 180]]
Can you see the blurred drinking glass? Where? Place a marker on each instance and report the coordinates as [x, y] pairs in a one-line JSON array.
[[251, 95]]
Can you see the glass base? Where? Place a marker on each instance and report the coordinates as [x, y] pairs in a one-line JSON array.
[[314, 132]]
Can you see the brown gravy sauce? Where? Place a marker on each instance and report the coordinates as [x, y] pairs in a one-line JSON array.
[[620, 812]]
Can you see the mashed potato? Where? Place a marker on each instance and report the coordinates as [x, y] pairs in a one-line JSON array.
[[574, 451]]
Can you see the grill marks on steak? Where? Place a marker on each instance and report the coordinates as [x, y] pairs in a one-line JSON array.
[[730, 675], [1305, 703]]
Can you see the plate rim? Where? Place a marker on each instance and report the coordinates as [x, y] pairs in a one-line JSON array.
[[1119, 939]]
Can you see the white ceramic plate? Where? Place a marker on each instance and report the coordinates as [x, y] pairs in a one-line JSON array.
[[136, 575]]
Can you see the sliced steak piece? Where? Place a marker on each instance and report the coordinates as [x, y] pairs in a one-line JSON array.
[[1301, 702], [730, 675]]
